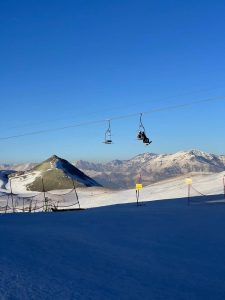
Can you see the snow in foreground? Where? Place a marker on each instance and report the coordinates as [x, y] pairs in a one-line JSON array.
[[161, 250]]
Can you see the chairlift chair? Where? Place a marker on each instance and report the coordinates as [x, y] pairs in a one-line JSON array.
[[141, 133], [108, 138], [146, 141]]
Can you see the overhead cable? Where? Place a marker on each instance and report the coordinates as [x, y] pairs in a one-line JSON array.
[[166, 108]]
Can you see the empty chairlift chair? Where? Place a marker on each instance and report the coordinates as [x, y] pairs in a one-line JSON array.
[[108, 135]]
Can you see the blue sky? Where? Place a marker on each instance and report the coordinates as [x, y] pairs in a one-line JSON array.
[[70, 62]]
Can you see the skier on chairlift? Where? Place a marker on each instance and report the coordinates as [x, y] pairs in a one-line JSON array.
[[141, 134]]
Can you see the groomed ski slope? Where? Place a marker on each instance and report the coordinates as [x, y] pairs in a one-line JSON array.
[[161, 250], [169, 189]]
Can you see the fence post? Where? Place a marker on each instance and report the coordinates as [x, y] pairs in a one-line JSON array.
[[7, 204], [224, 186], [30, 206], [75, 191], [11, 193], [45, 200]]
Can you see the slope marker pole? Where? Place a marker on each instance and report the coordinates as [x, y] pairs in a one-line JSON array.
[[189, 193], [137, 197], [138, 185], [188, 181]]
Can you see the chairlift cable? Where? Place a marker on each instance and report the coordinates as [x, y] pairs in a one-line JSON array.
[[167, 108], [115, 107]]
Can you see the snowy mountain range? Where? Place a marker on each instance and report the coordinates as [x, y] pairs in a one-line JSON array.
[[114, 174], [152, 167], [17, 167]]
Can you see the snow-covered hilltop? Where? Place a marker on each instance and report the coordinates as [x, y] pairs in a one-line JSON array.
[[152, 167], [57, 173]]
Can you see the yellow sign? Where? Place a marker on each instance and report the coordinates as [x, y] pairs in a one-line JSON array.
[[188, 181], [138, 186]]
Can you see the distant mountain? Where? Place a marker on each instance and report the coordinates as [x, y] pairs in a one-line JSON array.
[[120, 173], [57, 173], [152, 167], [17, 167]]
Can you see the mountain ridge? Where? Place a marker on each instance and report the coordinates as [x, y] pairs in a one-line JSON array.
[[153, 167]]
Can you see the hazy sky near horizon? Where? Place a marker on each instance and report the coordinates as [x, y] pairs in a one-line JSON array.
[[72, 62]]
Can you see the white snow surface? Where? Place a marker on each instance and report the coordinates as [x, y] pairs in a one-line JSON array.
[[160, 250], [2, 183], [96, 196], [168, 189], [19, 184]]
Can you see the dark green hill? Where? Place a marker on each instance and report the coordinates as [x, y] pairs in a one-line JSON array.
[[57, 173]]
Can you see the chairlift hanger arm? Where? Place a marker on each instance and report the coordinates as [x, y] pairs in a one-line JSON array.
[[141, 126]]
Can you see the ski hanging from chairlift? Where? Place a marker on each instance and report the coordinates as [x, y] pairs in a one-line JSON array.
[[108, 135], [141, 133]]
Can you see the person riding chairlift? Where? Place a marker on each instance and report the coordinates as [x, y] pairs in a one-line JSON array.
[[142, 136]]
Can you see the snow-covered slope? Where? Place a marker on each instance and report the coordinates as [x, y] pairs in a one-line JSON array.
[[168, 189], [161, 250], [152, 167]]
